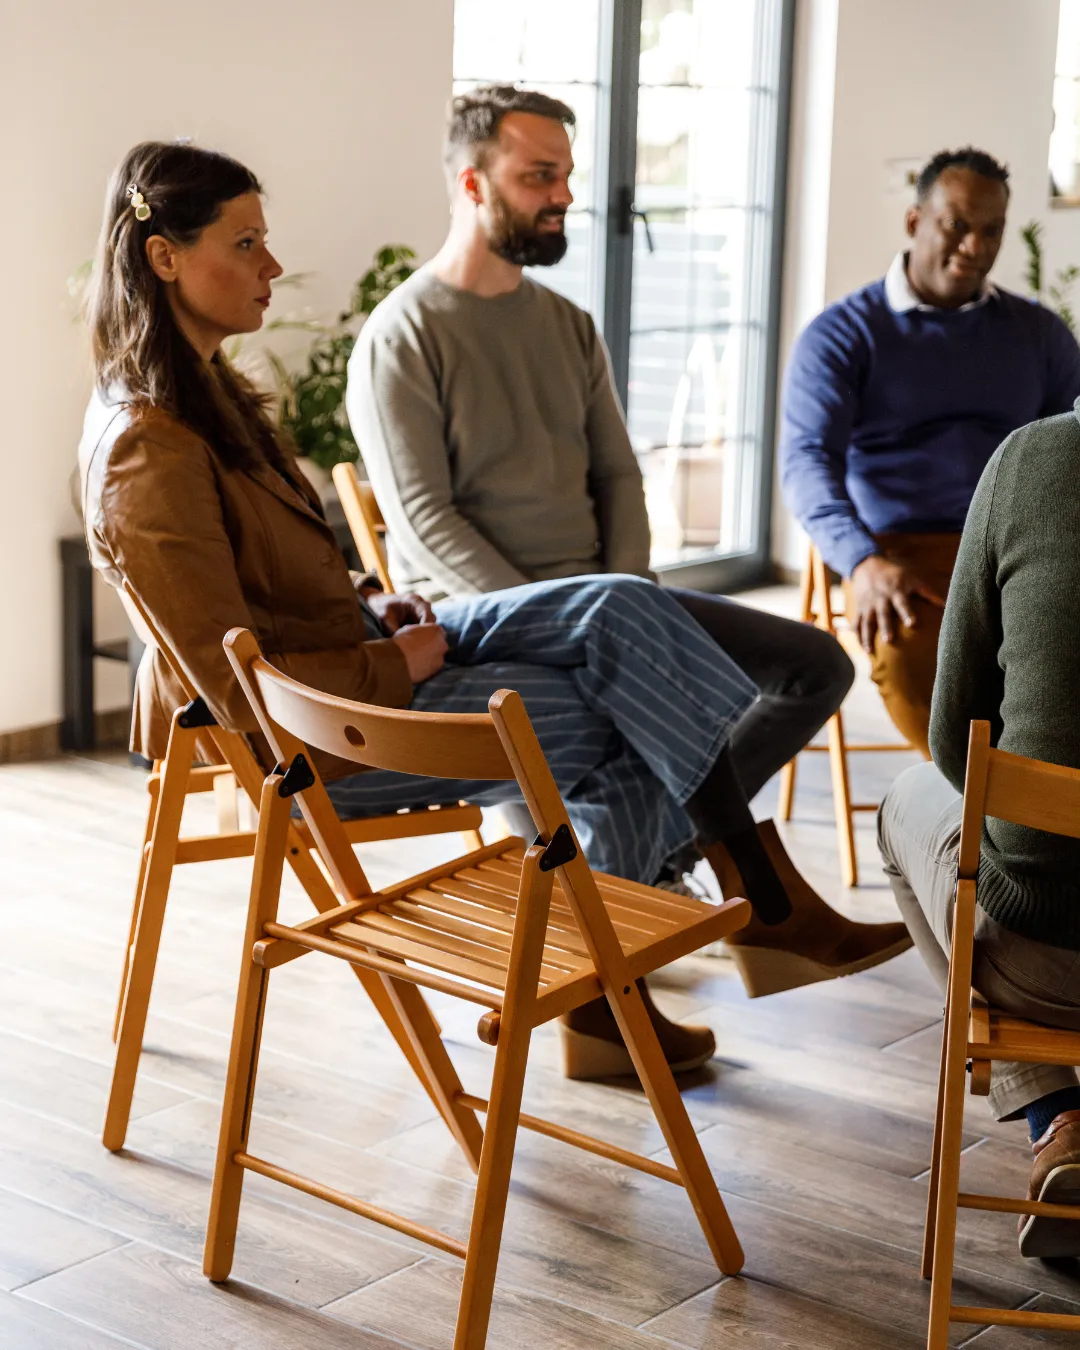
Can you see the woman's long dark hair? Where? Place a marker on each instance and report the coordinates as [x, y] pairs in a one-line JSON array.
[[138, 348]]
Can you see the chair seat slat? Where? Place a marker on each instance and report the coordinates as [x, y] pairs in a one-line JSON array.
[[560, 937], [450, 944], [560, 915], [630, 896], [367, 935], [631, 918], [434, 920]]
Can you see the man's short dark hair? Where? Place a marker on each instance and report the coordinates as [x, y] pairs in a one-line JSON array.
[[978, 161], [475, 118]]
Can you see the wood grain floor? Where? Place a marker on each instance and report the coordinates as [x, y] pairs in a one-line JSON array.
[[815, 1116]]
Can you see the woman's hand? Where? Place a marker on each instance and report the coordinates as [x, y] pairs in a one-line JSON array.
[[424, 648], [396, 611]]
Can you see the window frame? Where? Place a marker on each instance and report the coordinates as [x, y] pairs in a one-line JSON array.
[[621, 37], [611, 285]]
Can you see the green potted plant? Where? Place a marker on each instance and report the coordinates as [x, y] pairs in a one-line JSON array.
[[1056, 295], [311, 399]]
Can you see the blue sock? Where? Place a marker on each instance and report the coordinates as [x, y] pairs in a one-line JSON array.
[[1043, 1110]]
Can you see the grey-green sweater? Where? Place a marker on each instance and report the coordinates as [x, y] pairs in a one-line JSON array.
[[494, 441], [1010, 653]]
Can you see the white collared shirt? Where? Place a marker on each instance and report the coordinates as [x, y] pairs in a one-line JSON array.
[[901, 298]]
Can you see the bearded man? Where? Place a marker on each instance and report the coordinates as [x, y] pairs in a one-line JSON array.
[[492, 434]]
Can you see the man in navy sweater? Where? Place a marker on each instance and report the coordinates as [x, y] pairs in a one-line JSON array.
[[896, 398]]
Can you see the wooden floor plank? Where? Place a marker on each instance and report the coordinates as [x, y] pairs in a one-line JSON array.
[[148, 1295], [306, 1256], [36, 1241], [519, 1320], [181, 1061], [25, 1325], [757, 1316], [33, 1070], [1023, 1338]]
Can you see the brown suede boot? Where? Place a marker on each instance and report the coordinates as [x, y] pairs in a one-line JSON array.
[[814, 943], [1055, 1179], [593, 1046]]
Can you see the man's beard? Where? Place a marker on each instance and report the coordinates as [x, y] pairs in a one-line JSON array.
[[517, 238]]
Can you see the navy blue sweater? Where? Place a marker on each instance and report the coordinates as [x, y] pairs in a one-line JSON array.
[[889, 418]]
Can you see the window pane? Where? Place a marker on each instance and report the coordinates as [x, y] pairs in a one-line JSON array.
[[706, 139], [514, 42], [1065, 137]]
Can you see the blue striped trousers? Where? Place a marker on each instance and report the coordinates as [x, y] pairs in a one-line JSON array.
[[630, 698]]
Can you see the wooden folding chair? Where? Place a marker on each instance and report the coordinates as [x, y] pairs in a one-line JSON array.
[[171, 781], [1044, 797], [816, 607], [366, 522], [493, 927]]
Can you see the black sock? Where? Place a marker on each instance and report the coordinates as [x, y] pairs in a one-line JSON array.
[[721, 815], [764, 889], [1041, 1112]]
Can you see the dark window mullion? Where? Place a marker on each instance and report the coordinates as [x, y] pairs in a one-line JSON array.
[[625, 48]]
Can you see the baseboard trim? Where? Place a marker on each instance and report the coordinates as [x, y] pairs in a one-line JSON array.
[[111, 729]]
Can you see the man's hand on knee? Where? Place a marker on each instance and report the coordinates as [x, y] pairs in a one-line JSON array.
[[882, 592]]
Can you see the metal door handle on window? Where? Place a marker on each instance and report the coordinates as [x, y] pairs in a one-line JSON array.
[[643, 216]]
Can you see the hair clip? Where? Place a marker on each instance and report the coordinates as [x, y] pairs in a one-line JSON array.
[[138, 202]]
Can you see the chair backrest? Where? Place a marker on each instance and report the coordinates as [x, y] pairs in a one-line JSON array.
[[229, 746], [1013, 788], [366, 522], [148, 633], [498, 745], [437, 745]]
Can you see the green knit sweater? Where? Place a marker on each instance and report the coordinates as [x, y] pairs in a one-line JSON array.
[[1010, 654]]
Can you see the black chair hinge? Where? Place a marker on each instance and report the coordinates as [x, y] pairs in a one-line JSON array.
[[298, 776], [197, 714], [560, 851]]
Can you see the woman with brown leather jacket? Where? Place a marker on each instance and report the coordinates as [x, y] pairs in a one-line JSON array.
[[192, 496]]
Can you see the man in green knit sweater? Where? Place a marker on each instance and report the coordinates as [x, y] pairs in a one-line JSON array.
[[1010, 655]]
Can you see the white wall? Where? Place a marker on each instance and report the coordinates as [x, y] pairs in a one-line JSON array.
[[882, 84], [336, 104]]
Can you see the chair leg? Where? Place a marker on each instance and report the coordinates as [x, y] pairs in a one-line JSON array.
[[682, 1140], [155, 892], [806, 590], [492, 1187], [154, 792], [948, 1188], [841, 786], [247, 1032], [227, 803], [235, 1123], [504, 1109], [786, 799], [935, 1169], [472, 839]]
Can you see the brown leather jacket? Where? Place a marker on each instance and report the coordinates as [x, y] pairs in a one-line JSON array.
[[206, 549]]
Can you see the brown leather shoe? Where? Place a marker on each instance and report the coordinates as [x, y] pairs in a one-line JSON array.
[[1055, 1179], [593, 1046], [814, 943]]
